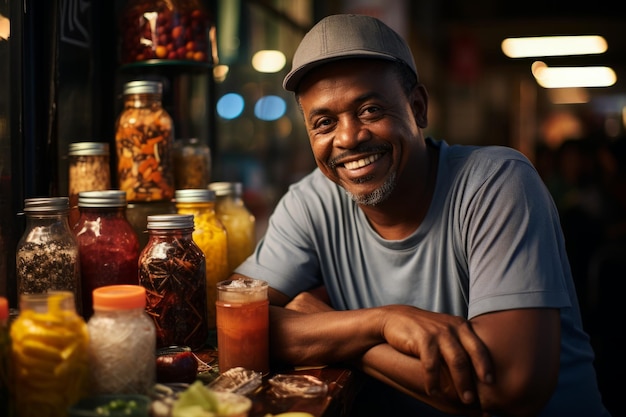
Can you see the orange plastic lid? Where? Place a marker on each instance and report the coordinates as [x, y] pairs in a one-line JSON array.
[[4, 308], [119, 297]]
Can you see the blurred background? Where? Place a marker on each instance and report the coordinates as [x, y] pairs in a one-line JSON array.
[[63, 66]]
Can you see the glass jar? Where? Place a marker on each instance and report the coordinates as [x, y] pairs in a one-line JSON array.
[[192, 164], [6, 381], [166, 30], [47, 253], [143, 140], [122, 347], [89, 169], [172, 269], [210, 235], [50, 355], [107, 244], [237, 219], [137, 215]]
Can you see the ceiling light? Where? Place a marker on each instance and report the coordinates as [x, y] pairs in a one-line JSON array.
[[566, 77], [554, 46], [269, 61]]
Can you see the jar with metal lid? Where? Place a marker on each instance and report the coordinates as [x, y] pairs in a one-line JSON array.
[[89, 169], [47, 253], [49, 355], [237, 219], [143, 140], [172, 269], [210, 235], [107, 243], [122, 342], [192, 164], [172, 30]]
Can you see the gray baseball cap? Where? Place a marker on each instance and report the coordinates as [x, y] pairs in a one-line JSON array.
[[344, 36]]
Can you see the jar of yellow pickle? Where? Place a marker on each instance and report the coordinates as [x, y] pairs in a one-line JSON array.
[[211, 236], [50, 355], [237, 219]]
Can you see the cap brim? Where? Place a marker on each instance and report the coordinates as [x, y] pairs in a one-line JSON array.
[[293, 78]]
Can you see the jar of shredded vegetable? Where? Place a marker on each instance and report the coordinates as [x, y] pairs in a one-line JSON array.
[[210, 235], [50, 355], [143, 140], [172, 269], [122, 348]]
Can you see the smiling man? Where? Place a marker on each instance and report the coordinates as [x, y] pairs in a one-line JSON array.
[[439, 271]]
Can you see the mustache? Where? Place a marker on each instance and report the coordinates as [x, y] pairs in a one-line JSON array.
[[361, 149]]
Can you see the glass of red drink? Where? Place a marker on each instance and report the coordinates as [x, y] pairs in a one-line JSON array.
[[242, 309]]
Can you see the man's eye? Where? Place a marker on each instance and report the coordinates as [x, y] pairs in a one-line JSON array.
[[371, 110], [324, 122]]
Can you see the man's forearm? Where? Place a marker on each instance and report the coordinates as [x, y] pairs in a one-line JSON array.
[[323, 337]]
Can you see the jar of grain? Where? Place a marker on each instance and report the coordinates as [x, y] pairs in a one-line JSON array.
[[143, 140], [122, 341], [210, 235]]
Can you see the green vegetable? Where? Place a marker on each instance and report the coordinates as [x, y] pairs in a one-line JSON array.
[[200, 401]]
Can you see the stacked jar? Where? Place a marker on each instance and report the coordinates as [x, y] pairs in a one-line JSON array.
[[47, 253], [108, 245], [144, 140], [210, 235], [192, 164], [237, 219], [122, 349], [172, 269], [50, 344], [89, 170], [167, 30]]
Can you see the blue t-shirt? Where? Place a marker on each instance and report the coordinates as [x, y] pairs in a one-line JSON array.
[[491, 240]]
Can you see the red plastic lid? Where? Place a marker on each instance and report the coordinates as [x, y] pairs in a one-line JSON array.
[[119, 297], [4, 308]]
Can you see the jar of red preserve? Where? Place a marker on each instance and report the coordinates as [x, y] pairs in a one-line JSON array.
[[108, 244]]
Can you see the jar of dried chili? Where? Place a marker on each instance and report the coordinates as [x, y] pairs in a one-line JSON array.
[[144, 138], [172, 268], [107, 243]]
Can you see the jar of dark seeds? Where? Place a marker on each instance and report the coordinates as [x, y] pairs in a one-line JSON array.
[[172, 269], [47, 253]]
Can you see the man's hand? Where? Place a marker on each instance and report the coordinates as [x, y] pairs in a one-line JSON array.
[[440, 340]]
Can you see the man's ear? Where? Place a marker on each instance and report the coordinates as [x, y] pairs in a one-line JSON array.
[[419, 104]]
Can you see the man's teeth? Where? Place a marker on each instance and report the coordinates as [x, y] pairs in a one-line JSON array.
[[362, 162]]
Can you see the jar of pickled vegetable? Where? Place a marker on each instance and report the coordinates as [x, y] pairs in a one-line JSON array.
[[237, 219], [47, 253], [210, 235], [49, 355], [192, 164], [143, 139], [122, 342], [89, 169], [107, 243], [172, 269]]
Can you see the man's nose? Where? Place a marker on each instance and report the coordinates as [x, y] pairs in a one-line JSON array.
[[350, 133]]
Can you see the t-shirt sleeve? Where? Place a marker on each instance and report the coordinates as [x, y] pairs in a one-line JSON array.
[[286, 251], [515, 247]]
